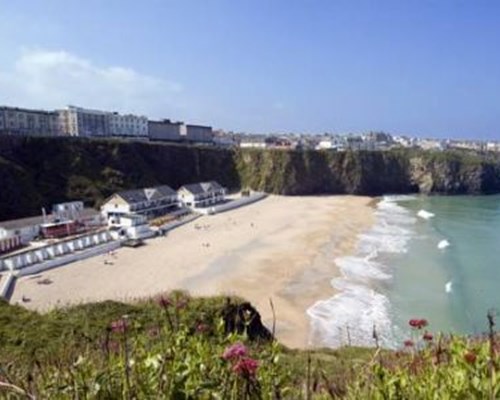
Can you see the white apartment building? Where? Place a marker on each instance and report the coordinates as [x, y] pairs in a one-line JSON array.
[[23, 121], [150, 202], [203, 194], [128, 125], [83, 122]]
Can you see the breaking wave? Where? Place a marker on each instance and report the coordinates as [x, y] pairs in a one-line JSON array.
[[349, 317]]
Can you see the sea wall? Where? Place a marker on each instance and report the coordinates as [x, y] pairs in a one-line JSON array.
[[36, 172], [59, 253]]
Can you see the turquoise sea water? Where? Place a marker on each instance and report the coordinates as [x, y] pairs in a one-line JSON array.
[[426, 257], [470, 265]]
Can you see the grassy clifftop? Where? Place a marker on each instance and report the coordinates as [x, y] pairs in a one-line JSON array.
[[177, 347], [36, 172]]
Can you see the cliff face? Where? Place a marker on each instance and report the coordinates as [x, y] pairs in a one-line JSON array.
[[36, 172]]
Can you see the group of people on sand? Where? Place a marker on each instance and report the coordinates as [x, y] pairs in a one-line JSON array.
[[111, 254]]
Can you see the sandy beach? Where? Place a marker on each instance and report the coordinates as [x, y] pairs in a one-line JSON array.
[[281, 248]]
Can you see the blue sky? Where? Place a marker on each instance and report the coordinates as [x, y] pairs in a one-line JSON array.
[[424, 68]]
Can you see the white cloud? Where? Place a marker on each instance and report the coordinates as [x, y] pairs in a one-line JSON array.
[[54, 79]]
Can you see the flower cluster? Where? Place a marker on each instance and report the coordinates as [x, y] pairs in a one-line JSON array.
[[244, 366], [234, 352], [418, 323], [164, 302], [119, 326]]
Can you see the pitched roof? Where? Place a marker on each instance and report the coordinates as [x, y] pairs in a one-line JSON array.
[[202, 187], [146, 194]]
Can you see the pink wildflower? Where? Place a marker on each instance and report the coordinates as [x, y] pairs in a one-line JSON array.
[[246, 367], [164, 302], [428, 337], [235, 351], [409, 343], [418, 323], [119, 326]]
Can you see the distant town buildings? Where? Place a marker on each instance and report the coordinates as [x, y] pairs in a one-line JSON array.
[[83, 122], [128, 125], [199, 134], [75, 121], [87, 123], [166, 130]]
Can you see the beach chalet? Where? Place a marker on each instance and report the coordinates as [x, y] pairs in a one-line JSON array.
[[18, 232], [149, 202], [203, 194], [68, 219]]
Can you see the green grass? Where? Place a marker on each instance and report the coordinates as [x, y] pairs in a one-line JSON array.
[[178, 350]]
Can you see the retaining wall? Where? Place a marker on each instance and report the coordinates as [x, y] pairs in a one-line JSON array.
[[232, 204]]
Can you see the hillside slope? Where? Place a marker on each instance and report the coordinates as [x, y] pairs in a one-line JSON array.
[[36, 172]]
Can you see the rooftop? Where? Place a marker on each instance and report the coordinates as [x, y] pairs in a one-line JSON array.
[[145, 194], [201, 187]]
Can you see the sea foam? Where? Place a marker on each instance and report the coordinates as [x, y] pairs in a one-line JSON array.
[[425, 214], [350, 316], [443, 244]]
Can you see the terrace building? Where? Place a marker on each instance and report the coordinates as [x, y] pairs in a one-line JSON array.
[[203, 194], [149, 202]]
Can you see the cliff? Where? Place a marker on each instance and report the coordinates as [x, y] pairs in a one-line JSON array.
[[36, 172]]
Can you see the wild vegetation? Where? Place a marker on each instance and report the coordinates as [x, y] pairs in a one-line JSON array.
[[177, 347], [37, 172]]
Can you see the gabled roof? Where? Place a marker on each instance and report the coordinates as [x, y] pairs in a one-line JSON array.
[[202, 187], [146, 194], [166, 190]]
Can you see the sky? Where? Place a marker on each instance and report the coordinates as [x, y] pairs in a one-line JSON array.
[[421, 68]]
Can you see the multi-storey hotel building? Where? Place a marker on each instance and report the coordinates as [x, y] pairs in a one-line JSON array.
[[128, 125], [78, 121], [22, 121]]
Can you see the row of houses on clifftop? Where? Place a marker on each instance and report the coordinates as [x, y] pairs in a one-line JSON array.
[[83, 122]]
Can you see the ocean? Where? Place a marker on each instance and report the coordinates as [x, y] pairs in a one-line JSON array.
[[428, 257]]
